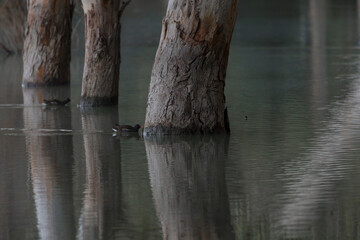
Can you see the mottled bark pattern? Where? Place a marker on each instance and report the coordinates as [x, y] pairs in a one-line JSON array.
[[47, 43], [187, 84], [102, 52]]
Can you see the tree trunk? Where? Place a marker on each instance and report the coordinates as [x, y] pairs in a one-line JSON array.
[[47, 43], [187, 84], [102, 52]]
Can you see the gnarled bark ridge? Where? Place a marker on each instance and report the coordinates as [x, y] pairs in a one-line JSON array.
[[187, 84], [47, 43], [102, 52]]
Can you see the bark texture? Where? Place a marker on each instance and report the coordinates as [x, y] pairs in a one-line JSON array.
[[187, 84], [188, 184], [102, 52], [47, 43]]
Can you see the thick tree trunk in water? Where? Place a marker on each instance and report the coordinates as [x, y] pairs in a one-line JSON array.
[[102, 52], [187, 84], [47, 43]]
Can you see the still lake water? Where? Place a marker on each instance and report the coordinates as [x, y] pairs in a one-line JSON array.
[[291, 171]]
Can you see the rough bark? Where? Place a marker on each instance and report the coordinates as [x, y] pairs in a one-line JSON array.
[[188, 183], [47, 43], [187, 84], [102, 52]]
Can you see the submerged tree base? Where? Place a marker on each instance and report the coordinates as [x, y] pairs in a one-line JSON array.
[[160, 130], [43, 84], [98, 101]]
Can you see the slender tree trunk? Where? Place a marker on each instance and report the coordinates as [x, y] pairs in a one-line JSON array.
[[187, 84], [47, 43], [102, 52]]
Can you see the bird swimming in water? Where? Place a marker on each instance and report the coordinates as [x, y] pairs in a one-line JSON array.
[[56, 102], [126, 128]]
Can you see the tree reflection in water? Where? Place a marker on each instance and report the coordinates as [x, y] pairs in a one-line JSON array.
[[101, 208], [50, 159], [188, 183]]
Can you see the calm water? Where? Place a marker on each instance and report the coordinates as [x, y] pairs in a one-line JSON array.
[[291, 171]]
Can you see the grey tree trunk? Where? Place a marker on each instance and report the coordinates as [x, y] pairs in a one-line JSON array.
[[47, 43], [102, 52], [187, 84]]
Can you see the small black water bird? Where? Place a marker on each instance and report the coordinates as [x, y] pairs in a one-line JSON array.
[[246, 117], [126, 128], [56, 102]]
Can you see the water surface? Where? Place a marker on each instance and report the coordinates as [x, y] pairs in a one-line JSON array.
[[290, 171]]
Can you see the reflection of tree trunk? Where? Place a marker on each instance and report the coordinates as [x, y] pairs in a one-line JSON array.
[[47, 43], [318, 46], [102, 199], [188, 183], [188, 78], [50, 159], [358, 19], [324, 165]]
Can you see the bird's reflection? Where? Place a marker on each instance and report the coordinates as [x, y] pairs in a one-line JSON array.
[[50, 160], [101, 207], [188, 183]]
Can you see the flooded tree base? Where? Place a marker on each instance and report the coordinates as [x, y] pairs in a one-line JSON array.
[[98, 101], [40, 85]]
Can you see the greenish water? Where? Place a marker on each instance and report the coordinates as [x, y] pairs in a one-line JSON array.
[[290, 171]]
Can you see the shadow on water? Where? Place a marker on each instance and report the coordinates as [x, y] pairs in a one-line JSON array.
[[50, 159], [188, 183]]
